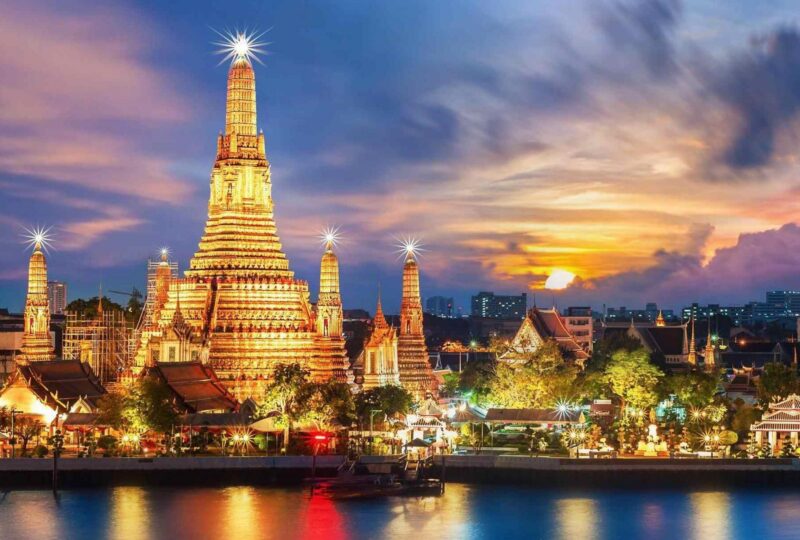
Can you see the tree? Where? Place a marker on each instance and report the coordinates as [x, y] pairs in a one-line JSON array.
[[391, 400], [605, 348], [541, 381], [744, 417], [149, 407], [25, 429], [475, 378], [633, 379], [695, 388], [88, 308], [281, 396], [326, 404], [777, 381], [111, 410]]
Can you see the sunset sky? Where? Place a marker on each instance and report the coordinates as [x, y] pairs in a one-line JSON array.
[[649, 147]]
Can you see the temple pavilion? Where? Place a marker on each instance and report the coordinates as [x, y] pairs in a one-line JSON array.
[[781, 420]]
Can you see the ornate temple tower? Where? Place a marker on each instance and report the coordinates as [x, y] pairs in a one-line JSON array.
[[246, 311], [709, 353], [380, 353], [332, 362], [692, 358], [416, 374], [36, 343]]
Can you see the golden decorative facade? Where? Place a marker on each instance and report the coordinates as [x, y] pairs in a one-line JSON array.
[[36, 342], [379, 357], [416, 374], [239, 305]]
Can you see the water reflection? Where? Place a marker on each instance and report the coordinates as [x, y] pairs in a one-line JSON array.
[[130, 514], [241, 519], [576, 518], [711, 515]]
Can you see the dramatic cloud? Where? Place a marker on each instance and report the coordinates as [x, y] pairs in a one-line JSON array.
[[630, 142], [762, 88]]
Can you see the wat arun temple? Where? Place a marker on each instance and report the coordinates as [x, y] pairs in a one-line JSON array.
[[239, 308]]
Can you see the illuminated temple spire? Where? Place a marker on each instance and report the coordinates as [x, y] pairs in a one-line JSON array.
[[245, 312], [709, 359], [660, 319], [36, 343], [692, 357], [240, 103], [416, 374], [332, 360]]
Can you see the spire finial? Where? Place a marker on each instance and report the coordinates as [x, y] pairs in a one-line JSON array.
[[100, 301]]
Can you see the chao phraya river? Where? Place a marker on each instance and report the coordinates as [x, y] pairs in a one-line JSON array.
[[464, 512]]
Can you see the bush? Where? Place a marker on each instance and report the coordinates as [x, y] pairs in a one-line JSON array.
[[40, 451], [107, 443]]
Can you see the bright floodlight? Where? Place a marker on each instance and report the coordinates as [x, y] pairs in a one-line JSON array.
[[240, 46]]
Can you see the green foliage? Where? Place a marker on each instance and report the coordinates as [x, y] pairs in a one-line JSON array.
[[107, 443], [111, 410], [788, 449], [391, 400], [777, 381], [475, 378], [605, 348], [633, 379], [542, 380], [88, 308], [694, 388], [40, 451], [525, 386], [281, 395], [452, 382], [744, 417], [149, 406], [325, 405]]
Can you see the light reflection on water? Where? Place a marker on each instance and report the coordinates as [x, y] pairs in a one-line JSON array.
[[468, 512]]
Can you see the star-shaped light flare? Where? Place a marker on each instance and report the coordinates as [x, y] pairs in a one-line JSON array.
[[38, 236], [244, 45], [409, 246], [330, 236]]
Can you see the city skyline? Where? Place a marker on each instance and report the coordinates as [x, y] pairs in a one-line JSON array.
[[522, 157]]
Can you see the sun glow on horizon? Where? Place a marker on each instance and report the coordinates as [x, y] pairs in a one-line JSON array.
[[559, 279]]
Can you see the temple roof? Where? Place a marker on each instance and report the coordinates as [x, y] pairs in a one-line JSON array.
[[61, 383], [541, 324], [195, 386]]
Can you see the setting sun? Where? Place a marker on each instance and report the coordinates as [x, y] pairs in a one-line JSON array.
[[559, 279]]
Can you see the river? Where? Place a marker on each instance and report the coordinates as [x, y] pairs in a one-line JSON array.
[[468, 512]]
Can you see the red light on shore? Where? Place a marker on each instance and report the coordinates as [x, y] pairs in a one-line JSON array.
[[320, 437]]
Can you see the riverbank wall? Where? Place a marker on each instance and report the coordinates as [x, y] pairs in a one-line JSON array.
[[30, 473], [620, 473], [165, 471]]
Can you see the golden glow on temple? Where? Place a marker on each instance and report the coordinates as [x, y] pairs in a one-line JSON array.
[[416, 374], [239, 307], [36, 343]]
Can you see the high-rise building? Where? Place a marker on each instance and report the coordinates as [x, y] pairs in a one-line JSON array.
[[57, 296], [489, 305], [441, 306], [784, 303]]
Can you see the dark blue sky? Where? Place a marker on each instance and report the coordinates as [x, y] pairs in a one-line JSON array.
[[630, 143]]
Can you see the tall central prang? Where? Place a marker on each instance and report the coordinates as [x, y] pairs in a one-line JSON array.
[[240, 308]]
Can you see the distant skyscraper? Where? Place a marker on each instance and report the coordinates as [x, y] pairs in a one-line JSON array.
[[57, 296], [441, 306], [487, 304]]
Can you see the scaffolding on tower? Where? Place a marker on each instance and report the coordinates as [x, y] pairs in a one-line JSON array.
[[107, 342]]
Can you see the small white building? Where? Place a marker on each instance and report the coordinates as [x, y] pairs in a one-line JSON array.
[[781, 420]]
